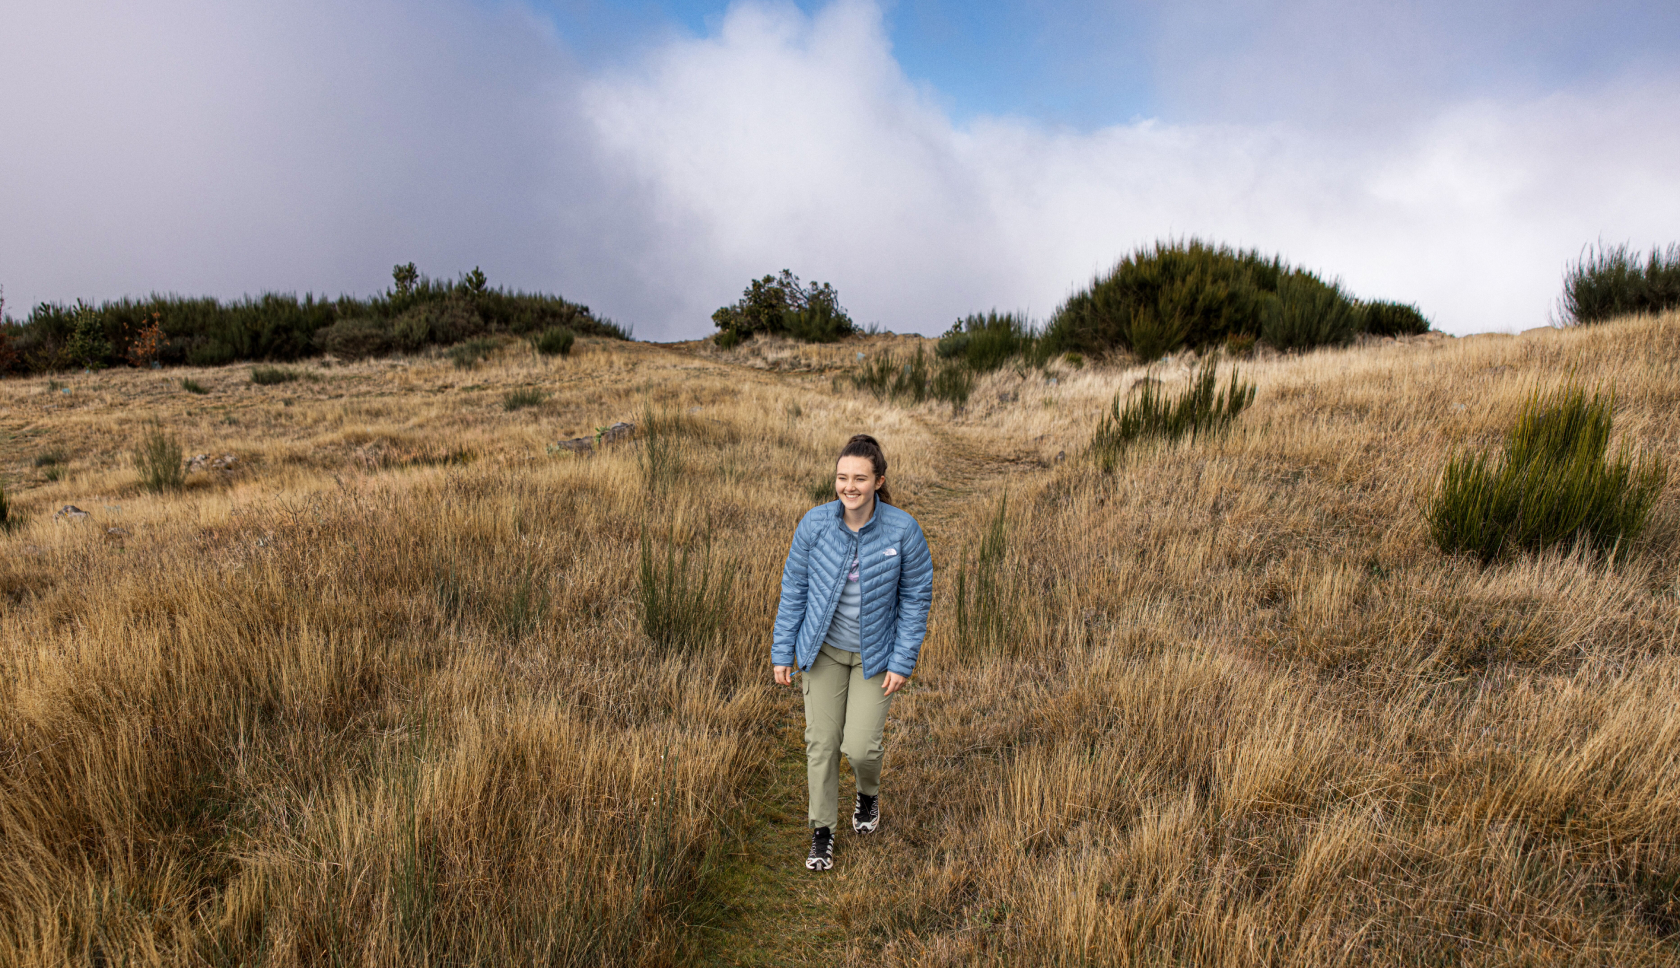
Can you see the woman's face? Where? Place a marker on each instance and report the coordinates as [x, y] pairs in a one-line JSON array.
[[855, 482]]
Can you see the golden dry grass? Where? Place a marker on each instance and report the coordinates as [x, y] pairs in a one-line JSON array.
[[379, 695]]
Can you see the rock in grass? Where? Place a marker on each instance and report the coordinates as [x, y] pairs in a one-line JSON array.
[[617, 432], [70, 512]]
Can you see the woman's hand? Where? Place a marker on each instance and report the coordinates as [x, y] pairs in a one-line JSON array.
[[894, 681], [784, 675]]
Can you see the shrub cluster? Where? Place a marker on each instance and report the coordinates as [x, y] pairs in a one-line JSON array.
[[986, 342], [780, 306], [159, 461], [1177, 295], [915, 379], [1553, 485], [1611, 281], [416, 312], [1200, 410]]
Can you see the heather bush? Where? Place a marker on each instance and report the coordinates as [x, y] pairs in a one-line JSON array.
[[1553, 485], [1612, 281], [1179, 295], [986, 342], [1381, 318], [555, 342]]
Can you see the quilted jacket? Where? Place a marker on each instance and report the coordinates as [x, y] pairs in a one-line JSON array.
[[895, 576]]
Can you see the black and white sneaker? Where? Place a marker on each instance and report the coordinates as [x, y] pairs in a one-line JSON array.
[[822, 850], [866, 816]]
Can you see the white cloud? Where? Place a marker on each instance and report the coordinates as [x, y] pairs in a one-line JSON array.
[[211, 147], [788, 141]]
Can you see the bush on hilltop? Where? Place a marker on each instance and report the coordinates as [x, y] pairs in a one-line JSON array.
[[780, 306], [416, 312], [1611, 281], [1193, 295]]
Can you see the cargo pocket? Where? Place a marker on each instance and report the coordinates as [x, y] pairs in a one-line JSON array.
[[804, 684]]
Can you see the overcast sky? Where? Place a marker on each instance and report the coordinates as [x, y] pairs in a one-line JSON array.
[[929, 158]]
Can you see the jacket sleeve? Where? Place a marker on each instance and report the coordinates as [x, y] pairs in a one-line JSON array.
[[915, 595], [790, 615]]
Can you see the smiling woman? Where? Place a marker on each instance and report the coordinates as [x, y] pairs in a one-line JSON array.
[[855, 595]]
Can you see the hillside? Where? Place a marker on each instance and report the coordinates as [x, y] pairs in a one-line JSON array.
[[376, 689]]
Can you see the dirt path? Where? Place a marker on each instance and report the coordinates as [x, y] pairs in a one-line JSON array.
[[765, 908]]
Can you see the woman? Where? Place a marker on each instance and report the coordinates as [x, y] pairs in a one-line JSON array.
[[855, 595]]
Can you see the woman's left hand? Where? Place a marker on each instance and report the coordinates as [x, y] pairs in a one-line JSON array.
[[894, 681]]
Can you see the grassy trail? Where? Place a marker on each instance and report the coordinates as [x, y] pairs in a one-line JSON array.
[[765, 908]]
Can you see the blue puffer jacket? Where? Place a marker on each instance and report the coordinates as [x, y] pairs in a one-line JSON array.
[[895, 576]]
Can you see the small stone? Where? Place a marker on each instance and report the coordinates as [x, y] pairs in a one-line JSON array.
[[577, 445], [70, 512]]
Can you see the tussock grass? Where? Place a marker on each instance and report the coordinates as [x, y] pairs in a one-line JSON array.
[[193, 386], [159, 461], [685, 603], [267, 376], [1201, 410], [522, 398], [1553, 485], [357, 703]]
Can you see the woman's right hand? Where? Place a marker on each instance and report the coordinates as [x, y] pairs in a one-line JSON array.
[[784, 675]]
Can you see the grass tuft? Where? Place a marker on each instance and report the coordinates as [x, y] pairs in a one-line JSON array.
[[986, 597], [685, 604], [160, 461], [1553, 485], [523, 397], [1200, 410], [267, 376], [193, 386]]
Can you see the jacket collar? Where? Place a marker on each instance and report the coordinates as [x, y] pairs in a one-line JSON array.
[[840, 518]]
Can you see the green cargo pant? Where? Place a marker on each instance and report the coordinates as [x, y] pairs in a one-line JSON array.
[[844, 713]]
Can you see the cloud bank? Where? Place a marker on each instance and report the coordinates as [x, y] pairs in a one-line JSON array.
[[228, 148]]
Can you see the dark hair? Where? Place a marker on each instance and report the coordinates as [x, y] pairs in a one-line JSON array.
[[863, 445]]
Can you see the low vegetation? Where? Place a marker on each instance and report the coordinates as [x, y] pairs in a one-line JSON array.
[[1201, 410], [268, 376], [1195, 295], [554, 342], [416, 312], [523, 397], [1611, 281], [159, 461], [915, 379], [1554, 485], [986, 342], [394, 690], [780, 306], [193, 386]]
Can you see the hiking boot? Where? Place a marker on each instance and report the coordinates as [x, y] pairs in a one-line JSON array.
[[822, 850], [866, 816]]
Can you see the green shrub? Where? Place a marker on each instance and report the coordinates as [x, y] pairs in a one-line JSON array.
[[1307, 312], [555, 342], [521, 398], [1393, 319], [49, 458], [158, 459], [986, 342], [1611, 281], [685, 604], [466, 355], [268, 376], [281, 327], [1176, 295], [914, 379], [358, 338], [1201, 410], [88, 345], [193, 386], [1553, 485], [781, 306]]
